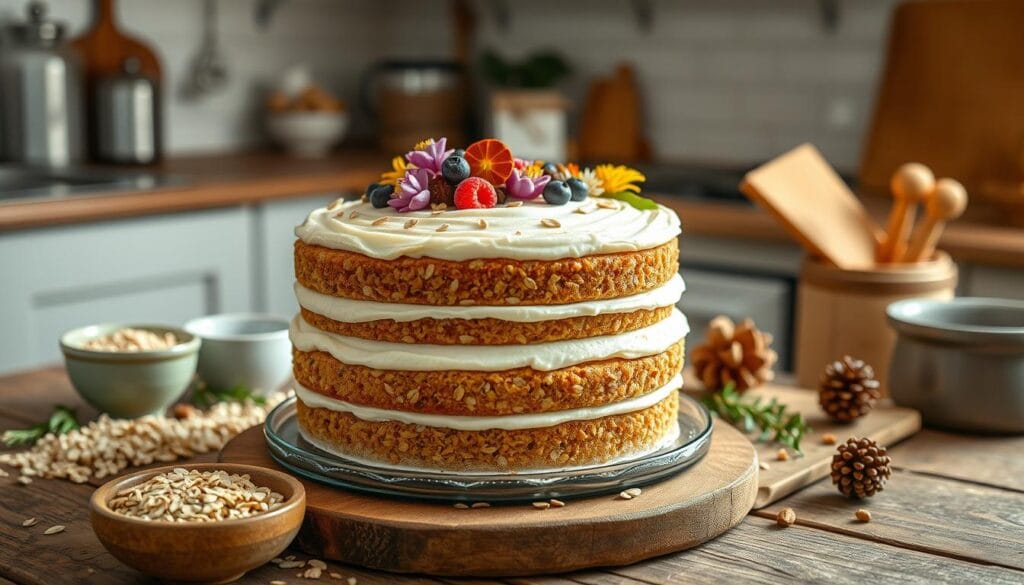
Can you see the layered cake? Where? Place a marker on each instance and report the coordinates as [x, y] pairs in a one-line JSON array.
[[478, 312]]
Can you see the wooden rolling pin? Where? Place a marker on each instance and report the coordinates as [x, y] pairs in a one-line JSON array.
[[911, 183], [947, 202]]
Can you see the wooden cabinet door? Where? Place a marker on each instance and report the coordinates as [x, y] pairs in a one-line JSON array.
[[157, 269]]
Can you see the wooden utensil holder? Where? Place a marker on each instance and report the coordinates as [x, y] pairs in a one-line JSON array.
[[843, 311]]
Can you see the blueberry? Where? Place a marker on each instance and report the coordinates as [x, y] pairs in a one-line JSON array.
[[455, 169], [370, 188], [579, 189], [557, 193], [459, 152], [550, 169], [380, 195]]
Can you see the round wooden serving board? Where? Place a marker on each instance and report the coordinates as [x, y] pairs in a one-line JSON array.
[[416, 537]]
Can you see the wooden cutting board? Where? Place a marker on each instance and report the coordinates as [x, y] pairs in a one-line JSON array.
[[816, 207], [409, 536], [886, 424]]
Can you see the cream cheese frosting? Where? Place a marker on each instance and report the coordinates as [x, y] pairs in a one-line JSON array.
[[509, 422], [353, 311], [553, 355], [511, 232]]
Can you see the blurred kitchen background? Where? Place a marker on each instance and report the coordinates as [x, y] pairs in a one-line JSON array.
[[230, 106]]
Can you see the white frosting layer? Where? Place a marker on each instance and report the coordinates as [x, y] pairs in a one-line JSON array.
[[352, 311], [510, 422], [669, 438], [554, 355], [511, 232]]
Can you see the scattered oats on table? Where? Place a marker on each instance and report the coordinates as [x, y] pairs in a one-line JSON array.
[[557, 503], [107, 446], [30, 522], [786, 517], [863, 515], [764, 466], [541, 505], [480, 505], [782, 455], [54, 530], [828, 439], [630, 493]]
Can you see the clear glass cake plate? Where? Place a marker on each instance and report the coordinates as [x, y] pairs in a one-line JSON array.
[[293, 452]]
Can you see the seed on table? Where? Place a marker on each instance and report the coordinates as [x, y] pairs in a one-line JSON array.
[[786, 517], [352, 581], [318, 564], [335, 575], [53, 530], [828, 439], [278, 582], [480, 505], [764, 466], [29, 522], [863, 515], [24, 480], [557, 503], [782, 455], [541, 505], [461, 506], [630, 493]]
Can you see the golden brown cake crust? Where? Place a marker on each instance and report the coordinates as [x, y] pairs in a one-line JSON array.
[[497, 281], [568, 444], [521, 390], [489, 331]]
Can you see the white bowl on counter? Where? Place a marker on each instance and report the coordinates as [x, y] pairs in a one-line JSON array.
[[308, 134], [251, 350]]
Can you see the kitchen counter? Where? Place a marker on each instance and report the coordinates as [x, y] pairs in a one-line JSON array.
[[227, 180], [950, 513]]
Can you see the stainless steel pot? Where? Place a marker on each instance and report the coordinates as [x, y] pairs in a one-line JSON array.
[[128, 117], [40, 93], [960, 362]]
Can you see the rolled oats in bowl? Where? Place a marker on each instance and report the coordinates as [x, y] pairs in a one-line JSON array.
[[132, 340], [185, 495]]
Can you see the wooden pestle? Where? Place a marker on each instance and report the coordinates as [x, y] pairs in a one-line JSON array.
[[910, 184], [947, 202]]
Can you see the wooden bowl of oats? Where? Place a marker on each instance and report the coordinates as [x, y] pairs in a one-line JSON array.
[[199, 523], [128, 371]]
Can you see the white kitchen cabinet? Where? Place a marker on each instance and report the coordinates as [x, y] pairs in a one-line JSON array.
[[275, 228], [162, 269]]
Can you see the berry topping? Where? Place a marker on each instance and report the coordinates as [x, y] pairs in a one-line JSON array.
[[550, 169], [379, 194], [490, 160], [455, 169], [557, 193], [579, 189], [460, 152], [475, 192]]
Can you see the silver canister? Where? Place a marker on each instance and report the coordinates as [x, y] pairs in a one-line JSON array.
[[40, 93], [128, 117]]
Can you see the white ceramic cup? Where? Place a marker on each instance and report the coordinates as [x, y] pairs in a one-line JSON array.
[[243, 349]]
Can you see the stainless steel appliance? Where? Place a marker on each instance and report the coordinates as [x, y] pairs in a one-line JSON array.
[[40, 93], [128, 117]]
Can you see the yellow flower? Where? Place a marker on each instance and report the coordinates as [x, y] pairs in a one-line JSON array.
[[533, 171], [399, 167], [618, 178]]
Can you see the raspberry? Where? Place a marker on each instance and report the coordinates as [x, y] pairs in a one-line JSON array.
[[475, 192]]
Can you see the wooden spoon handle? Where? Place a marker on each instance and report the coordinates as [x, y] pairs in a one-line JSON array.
[[947, 202], [911, 183]]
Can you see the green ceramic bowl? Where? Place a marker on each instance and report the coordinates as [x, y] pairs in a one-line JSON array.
[[130, 384]]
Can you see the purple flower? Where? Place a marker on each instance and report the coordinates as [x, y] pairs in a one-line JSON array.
[[520, 186], [430, 156], [413, 191]]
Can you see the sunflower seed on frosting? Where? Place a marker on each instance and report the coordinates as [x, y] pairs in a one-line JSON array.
[[551, 223], [443, 228], [515, 204], [482, 223], [334, 205], [353, 215], [411, 223], [380, 221], [606, 204]]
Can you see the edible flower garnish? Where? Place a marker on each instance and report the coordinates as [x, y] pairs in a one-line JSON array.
[[398, 166], [429, 154], [596, 185], [618, 178], [413, 191], [526, 184]]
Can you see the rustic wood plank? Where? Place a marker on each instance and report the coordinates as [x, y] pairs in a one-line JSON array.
[[30, 396], [757, 551], [936, 515], [989, 460]]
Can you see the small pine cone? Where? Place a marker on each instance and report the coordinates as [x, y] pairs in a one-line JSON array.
[[848, 389], [860, 468], [734, 353], [441, 191]]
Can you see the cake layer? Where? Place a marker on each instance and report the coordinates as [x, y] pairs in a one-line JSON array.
[[515, 391], [548, 356], [493, 281], [351, 311], [532, 231], [489, 331], [569, 444]]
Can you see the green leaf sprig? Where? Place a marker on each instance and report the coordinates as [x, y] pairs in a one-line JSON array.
[[62, 420], [630, 198], [204, 397], [771, 418]]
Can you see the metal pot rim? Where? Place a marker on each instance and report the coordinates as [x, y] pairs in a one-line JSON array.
[[949, 320]]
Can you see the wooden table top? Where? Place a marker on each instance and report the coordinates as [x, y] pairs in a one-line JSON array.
[[952, 512], [246, 178]]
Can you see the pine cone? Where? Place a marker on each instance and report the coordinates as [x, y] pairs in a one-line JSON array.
[[734, 353], [860, 468], [848, 389]]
